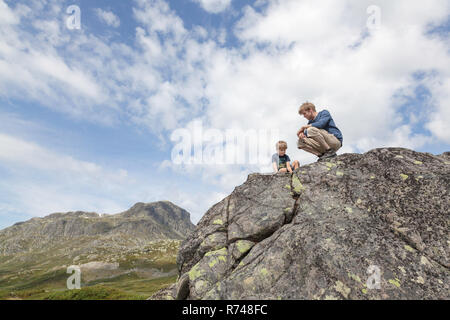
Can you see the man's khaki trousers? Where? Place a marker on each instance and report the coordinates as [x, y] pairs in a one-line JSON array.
[[318, 141]]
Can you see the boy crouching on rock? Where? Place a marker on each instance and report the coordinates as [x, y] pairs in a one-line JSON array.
[[281, 161]]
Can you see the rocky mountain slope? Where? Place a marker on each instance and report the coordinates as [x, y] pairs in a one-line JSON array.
[[371, 226], [140, 243]]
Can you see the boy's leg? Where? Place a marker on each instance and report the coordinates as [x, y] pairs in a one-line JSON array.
[[295, 165]]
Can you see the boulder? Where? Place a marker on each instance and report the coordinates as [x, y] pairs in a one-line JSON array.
[[359, 226]]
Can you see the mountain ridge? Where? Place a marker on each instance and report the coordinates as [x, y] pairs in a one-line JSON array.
[[139, 244], [155, 220]]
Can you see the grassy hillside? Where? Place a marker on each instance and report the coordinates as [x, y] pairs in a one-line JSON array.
[[129, 273], [128, 255]]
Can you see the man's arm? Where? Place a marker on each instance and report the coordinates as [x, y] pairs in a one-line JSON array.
[[301, 132], [322, 122]]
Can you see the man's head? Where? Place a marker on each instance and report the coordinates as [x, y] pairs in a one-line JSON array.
[[281, 147], [308, 110]]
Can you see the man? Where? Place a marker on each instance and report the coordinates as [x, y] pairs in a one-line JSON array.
[[321, 136]]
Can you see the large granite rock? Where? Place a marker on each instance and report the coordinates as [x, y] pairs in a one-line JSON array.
[[326, 232]]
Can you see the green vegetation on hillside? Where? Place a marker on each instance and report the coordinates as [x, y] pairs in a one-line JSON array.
[[138, 273]]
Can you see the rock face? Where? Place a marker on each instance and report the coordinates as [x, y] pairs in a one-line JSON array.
[[371, 226]]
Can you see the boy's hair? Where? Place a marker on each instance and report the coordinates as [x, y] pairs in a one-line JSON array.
[[307, 106], [281, 145]]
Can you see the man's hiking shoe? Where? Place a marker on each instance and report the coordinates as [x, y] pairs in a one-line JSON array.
[[328, 155]]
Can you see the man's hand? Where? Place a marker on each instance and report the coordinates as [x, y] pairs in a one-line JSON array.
[[301, 132]]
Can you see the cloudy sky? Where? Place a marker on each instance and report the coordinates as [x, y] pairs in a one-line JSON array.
[[88, 114]]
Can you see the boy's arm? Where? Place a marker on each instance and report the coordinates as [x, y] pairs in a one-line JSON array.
[[288, 166], [275, 167]]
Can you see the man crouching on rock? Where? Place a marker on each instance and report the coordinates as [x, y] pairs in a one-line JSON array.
[[321, 136]]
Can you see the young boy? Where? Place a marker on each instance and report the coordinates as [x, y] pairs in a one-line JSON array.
[[281, 161]]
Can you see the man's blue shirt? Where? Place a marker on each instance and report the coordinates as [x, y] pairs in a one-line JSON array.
[[324, 121]]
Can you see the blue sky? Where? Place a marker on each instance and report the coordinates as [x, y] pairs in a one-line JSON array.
[[87, 114]]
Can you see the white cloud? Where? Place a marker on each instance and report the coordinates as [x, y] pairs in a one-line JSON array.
[[88, 78], [39, 181], [108, 17], [439, 120], [7, 16], [318, 66], [18, 153], [309, 58], [157, 16], [214, 6], [31, 67], [196, 203]]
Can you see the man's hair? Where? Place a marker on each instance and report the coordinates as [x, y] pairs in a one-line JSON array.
[[307, 106], [281, 145]]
